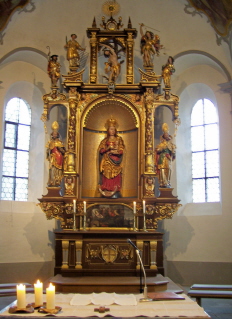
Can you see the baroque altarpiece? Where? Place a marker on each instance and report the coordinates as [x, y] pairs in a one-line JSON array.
[[108, 181]]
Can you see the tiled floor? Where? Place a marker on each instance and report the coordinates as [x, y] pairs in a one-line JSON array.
[[216, 308]]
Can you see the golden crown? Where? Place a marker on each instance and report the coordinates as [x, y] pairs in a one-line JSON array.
[[111, 122]]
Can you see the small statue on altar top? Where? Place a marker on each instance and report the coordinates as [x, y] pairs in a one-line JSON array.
[[53, 69], [149, 187], [69, 185], [150, 46], [165, 153], [55, 156], [72, 47], [112, 66], [167, 70], [111, 151]]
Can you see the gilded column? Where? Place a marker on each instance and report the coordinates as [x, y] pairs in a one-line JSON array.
[[149, 131], [130, 59], [70, 163], [65, 246], [93, 58], [153, 251]]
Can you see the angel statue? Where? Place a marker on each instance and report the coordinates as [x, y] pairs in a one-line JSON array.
[[55, 156], [165, 153], [72, 47], [111, 151], [167, 70], [150, 46]]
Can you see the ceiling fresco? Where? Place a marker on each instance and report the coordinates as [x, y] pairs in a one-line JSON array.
[[7, 8], [219, 13]]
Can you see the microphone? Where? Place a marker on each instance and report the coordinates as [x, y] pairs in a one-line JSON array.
[[132, 244]]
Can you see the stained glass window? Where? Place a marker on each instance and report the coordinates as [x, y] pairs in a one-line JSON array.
[[205, 152], [16, 150]]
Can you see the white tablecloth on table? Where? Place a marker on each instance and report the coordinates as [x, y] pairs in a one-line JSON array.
[[103, 298], [168, 308]]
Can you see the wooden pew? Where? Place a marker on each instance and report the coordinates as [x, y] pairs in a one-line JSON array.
[[9, 289], [199, 294], [211, 287]]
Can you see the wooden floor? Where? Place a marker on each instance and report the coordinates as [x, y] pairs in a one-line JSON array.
[[116, 284]]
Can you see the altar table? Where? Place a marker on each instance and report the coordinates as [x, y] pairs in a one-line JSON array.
[[171, 309]]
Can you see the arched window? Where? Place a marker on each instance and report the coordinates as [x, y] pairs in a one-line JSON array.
[[205, 152], [16, 150]]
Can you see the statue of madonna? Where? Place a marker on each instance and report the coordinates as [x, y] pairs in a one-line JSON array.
[[111, 151]]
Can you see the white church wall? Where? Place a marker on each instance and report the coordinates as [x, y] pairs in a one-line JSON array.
[[198, 234], [27, 239], [198, 237]]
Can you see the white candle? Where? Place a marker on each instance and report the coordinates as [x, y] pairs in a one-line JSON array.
[[134, 207], [38, 289], [50, 297], [84, 207], [74, 206], [144, 207], [21, 296]]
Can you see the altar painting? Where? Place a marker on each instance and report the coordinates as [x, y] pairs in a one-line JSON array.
[[117, 216]]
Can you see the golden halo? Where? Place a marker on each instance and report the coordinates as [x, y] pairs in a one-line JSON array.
[[110, 8]]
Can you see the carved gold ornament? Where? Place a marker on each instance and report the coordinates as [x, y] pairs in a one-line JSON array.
[[52, 210]]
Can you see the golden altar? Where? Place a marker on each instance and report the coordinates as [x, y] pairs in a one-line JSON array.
[[104, 190]]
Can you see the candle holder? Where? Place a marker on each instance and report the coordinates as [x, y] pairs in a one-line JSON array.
[[74, 222], [144, 216], [134, 213], [74, 215], [134, 223], [84, 221], [50, 311], [15, 309], [38, 306]]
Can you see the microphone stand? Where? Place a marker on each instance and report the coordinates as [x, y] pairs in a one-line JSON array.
[[145, 298]]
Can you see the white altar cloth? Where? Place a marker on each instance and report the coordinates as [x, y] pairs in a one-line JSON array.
[[170, 308], [103, 298]]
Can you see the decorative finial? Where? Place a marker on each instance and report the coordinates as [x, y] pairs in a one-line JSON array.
[[94, 25], [111, 8]]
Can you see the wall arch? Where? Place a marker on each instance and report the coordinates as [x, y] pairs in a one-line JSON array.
[[190, 95], [188, 59]]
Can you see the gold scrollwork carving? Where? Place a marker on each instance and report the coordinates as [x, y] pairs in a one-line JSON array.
[[93, 253], [126, 252], [167, 210], [52, 210], [54, 97], [149, 77]]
